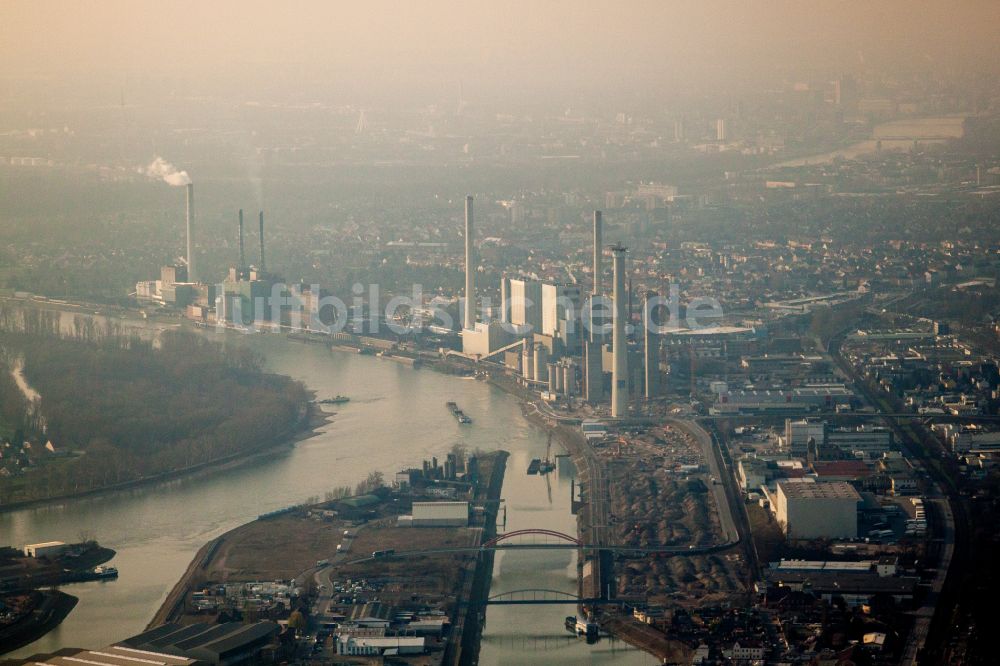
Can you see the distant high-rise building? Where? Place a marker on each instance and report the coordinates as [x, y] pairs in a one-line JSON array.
[[720, 129]]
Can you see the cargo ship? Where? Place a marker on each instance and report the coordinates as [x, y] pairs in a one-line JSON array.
[[105, 572], [459, 415], [335, 400]]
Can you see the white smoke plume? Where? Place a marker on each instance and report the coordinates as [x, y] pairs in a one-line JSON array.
[[168, 173]]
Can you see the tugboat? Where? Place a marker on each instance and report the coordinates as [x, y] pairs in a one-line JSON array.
[[335, 400], [105, 572]]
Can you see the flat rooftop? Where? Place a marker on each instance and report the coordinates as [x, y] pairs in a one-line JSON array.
[[822, 490]]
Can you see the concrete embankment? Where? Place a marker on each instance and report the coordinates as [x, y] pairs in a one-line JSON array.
[[477, 589], [173, 605]]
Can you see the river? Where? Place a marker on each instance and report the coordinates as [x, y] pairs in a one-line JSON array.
[[396, 418]]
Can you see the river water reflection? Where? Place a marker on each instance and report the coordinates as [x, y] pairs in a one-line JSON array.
[[396, 418]]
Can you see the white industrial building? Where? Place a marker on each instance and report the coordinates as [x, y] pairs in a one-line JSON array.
[[817, 510], [440, 514], [978, 441], [379, 645], [800, 399], [866, 441], [484, 338], [799, 433], [46, 549], [524, 304], [560, 312]]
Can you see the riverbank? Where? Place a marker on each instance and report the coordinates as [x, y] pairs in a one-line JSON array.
[[311, 418], [52, 608], [315, 548]]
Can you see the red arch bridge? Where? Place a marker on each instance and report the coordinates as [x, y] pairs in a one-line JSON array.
[[539, 596], [550, 539]]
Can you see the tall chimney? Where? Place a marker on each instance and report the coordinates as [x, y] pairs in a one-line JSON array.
[[651, 348], [619, 344], [192, 273], [243, 258], [598, 249], [470, 275], [263, 266]]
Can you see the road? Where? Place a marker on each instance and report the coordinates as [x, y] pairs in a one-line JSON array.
[[720, 476], [321, 575]]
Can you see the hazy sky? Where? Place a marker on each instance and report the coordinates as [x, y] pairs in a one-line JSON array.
[[382, 46]]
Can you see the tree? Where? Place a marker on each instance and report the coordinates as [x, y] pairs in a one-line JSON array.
[[374, 481]]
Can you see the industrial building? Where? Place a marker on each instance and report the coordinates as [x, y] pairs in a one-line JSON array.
[[199, 644], [226, 643], [782, 400], [378, 645], [800, 434], [112, 655], [816, 510], [439, 514], [46, 549], [524, 304], [854, 587], [805, 437]]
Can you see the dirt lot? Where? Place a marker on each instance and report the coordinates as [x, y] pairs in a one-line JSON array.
[[275, 549], [660, 497], [433, 577]]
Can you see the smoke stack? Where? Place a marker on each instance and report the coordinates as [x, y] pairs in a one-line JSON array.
[[263, 266], [598, 242], [470, 275], [619, 371], [651, 350], [192, 273], [243, 259]]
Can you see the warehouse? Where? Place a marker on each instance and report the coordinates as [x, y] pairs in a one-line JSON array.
[[439, 514], [47, 549], [817, 510], [774, 400], [378, 645]]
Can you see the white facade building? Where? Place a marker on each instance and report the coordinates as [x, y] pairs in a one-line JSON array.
[[817, 510]]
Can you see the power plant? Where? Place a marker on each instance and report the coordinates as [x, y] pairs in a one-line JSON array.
[[556, 337]]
